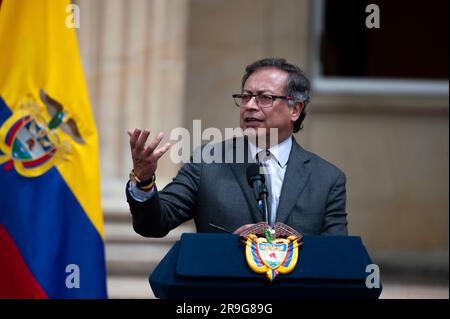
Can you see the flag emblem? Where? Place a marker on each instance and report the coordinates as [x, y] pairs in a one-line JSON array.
[[268, 255], [31, 143]]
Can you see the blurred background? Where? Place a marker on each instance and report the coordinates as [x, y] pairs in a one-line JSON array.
[[379, 111]]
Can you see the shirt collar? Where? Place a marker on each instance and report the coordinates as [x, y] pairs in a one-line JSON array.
[[280, 151]]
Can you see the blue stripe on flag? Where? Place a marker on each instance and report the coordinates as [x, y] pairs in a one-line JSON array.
[[51, 230]]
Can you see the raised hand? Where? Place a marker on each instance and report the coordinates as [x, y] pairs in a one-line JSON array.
[[145, 158]]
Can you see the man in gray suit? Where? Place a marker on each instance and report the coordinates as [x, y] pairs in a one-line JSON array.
[[306, 192]]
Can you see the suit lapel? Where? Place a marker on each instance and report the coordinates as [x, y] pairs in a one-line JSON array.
[[240, 172], [297, 174]]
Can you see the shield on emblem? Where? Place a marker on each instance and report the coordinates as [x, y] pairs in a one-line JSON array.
[[27, 144], [272, 254], [30, 142]]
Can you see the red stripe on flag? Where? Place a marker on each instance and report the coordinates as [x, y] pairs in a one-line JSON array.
[[16, 280]]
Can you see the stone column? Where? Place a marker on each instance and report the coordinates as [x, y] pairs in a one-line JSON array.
[[133, 55]]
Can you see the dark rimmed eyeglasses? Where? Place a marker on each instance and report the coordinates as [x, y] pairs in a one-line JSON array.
[[262, 100]]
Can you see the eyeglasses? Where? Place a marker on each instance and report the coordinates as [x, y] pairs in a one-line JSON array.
[[262, 100]]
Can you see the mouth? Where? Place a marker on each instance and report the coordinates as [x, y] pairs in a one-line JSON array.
[[252, 121]]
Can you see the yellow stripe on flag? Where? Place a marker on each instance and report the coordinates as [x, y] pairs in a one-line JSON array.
[[37, 56]]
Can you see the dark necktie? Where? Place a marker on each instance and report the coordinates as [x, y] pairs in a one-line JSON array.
[[262, 159]]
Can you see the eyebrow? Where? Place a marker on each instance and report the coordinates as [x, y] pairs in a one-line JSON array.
[[261, 91]]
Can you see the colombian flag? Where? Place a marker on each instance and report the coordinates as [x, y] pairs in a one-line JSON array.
[[51, 227]]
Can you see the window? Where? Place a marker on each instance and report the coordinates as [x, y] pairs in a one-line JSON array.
[[407, 54]]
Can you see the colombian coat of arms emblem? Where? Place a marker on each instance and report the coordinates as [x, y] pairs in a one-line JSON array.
[[271, 251], [29, 138]]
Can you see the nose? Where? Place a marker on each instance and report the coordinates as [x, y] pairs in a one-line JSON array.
[[252, 104]]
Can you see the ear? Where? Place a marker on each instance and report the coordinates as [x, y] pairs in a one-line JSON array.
[[296, 111]]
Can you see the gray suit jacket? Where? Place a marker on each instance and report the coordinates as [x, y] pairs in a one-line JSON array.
[[312, 199]]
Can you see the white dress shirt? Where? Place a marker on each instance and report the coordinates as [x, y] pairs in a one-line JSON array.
[[274, 165]]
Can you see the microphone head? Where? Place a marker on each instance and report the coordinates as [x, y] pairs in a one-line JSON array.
[[253, 174]]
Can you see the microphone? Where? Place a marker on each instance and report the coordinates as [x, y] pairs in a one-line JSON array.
[[258, 183]]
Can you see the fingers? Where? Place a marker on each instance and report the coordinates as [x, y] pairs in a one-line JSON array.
[[162, 150], [141, 140], [138, 139], [152, 146], [134, 135]]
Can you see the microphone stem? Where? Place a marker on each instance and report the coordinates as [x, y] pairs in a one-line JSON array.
[[266, 210]]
